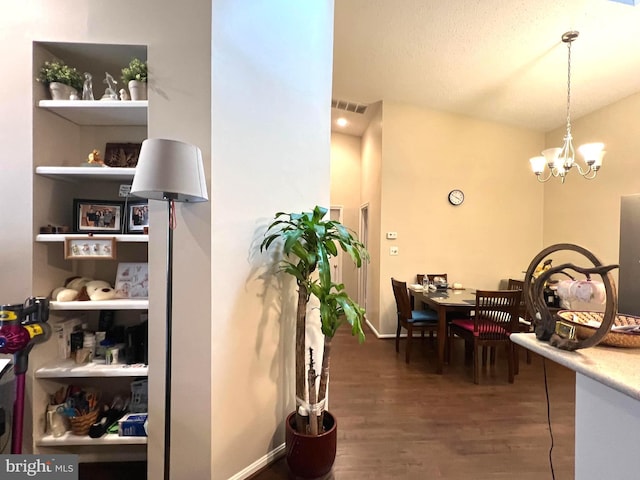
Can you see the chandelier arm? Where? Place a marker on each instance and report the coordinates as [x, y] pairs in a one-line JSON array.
[[548, 177]]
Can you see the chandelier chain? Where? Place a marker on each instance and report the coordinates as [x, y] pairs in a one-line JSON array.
[[569, 86]]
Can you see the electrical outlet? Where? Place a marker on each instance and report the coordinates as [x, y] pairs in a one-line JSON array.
[[392, 235], [124, 190], [393, 251]]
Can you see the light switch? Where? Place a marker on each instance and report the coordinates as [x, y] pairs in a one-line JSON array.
[[393, 250], [392, 235]]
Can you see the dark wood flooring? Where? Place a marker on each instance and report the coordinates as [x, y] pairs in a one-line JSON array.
[[399, 421]]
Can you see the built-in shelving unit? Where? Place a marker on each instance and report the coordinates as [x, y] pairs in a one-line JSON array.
[[77, 174], [117, 304], [99, 112], [69, 440], [70, 369], [60, 237], [59, 147]]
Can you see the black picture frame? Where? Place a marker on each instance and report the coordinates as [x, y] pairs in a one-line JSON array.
[[97, 216], [137, 218]]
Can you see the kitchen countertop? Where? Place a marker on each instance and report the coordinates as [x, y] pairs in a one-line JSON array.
[[617, 368]]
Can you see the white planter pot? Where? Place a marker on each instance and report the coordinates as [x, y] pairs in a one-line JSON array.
[[138, 90], [60, 91]]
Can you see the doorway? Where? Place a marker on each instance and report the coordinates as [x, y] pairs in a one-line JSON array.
[[335, 215], [363, 271]]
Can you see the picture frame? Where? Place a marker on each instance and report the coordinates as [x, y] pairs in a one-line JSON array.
[[123, 155], [137, 217], [132, 280], [90, 248], [97, 216]]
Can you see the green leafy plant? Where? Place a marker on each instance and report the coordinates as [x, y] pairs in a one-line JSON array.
[[137, 70], [58, 71], [308, 243]]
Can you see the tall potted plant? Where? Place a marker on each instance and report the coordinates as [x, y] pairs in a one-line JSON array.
[[308, 243], [135, 77]]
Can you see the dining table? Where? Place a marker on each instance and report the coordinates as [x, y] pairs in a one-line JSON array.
[[443, 301]]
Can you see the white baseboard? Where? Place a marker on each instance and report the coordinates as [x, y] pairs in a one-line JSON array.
[[384, 335], [261, 463]]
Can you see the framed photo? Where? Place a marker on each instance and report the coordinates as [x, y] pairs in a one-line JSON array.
[[122, 154], [137, 220], [132, 280], [89, 248], [97, 216]]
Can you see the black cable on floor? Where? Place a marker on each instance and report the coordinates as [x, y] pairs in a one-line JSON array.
[[546, 391]]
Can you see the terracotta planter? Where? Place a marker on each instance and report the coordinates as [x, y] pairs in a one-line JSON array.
[[311, 456], [60, 91], [138, 90]]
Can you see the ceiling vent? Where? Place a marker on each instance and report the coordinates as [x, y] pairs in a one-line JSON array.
[[627, 2], [348, 106]]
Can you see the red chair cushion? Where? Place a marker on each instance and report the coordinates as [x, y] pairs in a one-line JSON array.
[[482, 328]]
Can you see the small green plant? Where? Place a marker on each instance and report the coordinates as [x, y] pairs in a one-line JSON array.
[[137, 70], [58, 71]]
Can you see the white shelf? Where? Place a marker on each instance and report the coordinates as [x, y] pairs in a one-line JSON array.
[[76, 174], [99, 112], [69, 439], [60, 237], [70, 369], [118, 304]]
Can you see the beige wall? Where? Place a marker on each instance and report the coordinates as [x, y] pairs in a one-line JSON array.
[[587, 212], [491, 236], [371, 196], [345, 192]]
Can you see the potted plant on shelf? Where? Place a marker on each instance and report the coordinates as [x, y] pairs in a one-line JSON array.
[[64, 82], [308, 243], [135, 77]]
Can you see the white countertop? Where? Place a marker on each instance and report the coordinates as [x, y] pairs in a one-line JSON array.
[[617, 368]]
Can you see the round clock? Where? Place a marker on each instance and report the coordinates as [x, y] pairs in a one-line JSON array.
[[456, 197]]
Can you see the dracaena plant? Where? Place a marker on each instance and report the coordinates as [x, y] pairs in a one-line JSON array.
[[308, 243]]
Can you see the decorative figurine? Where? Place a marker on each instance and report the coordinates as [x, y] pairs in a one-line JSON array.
[[87, 88], [110, 92], [94, 159], [123, 94]]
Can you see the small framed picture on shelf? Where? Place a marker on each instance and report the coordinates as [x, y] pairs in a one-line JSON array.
[[89, 248], [124, 155], [97, 216], [137, 220], [132, 280]]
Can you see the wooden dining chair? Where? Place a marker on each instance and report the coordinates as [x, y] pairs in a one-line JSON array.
[[525, 323], [409, 319], [495, 318]]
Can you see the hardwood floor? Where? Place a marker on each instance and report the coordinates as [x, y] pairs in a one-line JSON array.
[[399, 421]]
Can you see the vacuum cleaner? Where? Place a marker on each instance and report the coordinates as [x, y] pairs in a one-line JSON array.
[[21, 327]]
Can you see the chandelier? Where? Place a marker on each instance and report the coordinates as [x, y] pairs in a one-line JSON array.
[[560, 161]]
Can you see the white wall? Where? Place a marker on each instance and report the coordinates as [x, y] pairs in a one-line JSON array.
[[271, 92]]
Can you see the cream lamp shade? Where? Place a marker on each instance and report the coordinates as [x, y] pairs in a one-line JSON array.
[[169, 170]]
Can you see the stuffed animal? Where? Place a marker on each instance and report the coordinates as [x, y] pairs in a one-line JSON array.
[[83, 289]]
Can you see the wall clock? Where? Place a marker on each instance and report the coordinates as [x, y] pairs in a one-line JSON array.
[[456, 197]]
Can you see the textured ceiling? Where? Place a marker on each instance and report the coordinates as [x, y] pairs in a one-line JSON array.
[[500, 60]]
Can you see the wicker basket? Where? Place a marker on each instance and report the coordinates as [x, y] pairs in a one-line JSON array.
[[582, 319], [80, 425]]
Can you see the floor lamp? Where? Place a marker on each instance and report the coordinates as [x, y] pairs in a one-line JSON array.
[[170, 171]]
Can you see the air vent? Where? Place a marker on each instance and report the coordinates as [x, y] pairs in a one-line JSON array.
[[348, 106], [633, 3]]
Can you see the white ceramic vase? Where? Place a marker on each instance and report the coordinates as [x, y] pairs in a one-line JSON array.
[[60, 91], [138, 90]]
